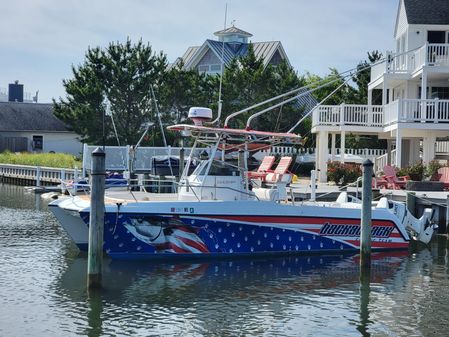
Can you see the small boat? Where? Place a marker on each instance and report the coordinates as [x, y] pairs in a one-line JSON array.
[[219, 212]]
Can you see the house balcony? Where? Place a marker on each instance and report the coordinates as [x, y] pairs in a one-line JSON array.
[[435, 54], [370, 119]]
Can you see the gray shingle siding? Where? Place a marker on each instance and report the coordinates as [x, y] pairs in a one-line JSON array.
[[432, 12], [29, 117]]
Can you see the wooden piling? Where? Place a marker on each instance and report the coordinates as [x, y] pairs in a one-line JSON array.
[[313, 185], [38, 176], [365, 232], [447, 215], [96, 220]]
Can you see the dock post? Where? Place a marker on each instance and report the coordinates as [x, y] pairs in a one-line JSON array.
[[38, 176], [96, 220], [313, 185], [411, 203], [365, 232], [447, 215]]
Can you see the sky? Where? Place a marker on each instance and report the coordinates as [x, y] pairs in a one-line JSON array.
[[40, 40]]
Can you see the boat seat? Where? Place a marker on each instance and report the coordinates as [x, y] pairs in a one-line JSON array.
[[383, 203], [342, 198], [267, 194]]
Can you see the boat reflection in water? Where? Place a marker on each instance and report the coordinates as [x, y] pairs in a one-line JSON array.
[[228, 295]]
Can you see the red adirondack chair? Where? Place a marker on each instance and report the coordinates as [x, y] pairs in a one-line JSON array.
[[280, 173], [443, 176], [379, 182], [263, 168], [394, 182]]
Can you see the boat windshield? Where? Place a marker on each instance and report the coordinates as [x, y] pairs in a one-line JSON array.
[[218, 168]]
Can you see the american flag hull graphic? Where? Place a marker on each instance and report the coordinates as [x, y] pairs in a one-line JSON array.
[[134, 236]]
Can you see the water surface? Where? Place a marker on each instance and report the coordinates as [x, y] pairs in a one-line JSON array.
[[43, 289]]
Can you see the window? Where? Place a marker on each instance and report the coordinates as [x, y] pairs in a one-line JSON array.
[[215, 67], [38, 143], [440, 92], [436, 36], [203, 68]]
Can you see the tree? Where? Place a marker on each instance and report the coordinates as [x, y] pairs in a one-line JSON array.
[[363, 76], [122, 73], [246, 81]]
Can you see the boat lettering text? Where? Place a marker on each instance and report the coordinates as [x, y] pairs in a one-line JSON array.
[[354, 230]]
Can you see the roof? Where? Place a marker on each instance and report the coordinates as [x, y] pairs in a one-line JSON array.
[[29, 117], [431, 12], [230, 51], [232, 30]]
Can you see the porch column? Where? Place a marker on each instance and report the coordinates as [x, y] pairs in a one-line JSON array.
[[414, 151], [370, 97], [322, 155], [423, 94], [428, 149], [398, 148], [342, 146], [389, 148], [384, 90], [333, 147]]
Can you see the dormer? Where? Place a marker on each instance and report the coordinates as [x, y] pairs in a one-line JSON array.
[[233, 35]]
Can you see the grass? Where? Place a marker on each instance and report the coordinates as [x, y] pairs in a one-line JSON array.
[[60, 160]]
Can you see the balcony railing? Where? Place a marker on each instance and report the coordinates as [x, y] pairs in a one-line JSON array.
[[348, 114], [399, 111], [435, 54]]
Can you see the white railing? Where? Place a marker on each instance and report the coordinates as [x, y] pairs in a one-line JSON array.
[[442, 147], [434, 54], [348, 114], [438, 54], [382, 160], [44, 174], [399, 111], [417, 110], [391, 112]]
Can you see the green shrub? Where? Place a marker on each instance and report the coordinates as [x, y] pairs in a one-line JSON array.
[[343, 173], [432, 169]]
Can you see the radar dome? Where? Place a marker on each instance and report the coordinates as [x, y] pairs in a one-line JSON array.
[[200, 115]]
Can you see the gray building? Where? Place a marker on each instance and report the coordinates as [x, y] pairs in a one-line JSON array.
[[232, 42], [32, 127]]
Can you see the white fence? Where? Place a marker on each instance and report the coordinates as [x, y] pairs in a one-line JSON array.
[[122, 158]]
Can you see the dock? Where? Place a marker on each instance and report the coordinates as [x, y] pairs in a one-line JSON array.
[[35, 175]]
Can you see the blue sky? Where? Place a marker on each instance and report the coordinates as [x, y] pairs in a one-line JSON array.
[[42, 39]]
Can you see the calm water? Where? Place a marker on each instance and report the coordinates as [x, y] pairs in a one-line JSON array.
[[43, 293]]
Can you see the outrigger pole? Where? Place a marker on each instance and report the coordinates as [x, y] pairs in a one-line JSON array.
[[349, 73]]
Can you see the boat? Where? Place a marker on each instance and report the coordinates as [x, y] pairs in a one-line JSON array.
[[219, 212]]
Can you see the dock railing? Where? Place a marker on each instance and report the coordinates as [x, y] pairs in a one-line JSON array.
[[36, 173]]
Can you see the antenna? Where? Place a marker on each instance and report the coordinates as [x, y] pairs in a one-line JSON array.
[[158, 115], [221, 73]]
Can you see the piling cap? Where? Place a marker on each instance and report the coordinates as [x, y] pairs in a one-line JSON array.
[[367, 163], [98, 152]]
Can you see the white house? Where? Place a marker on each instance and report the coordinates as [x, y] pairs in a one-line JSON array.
[[414, 81], [32, 127]]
